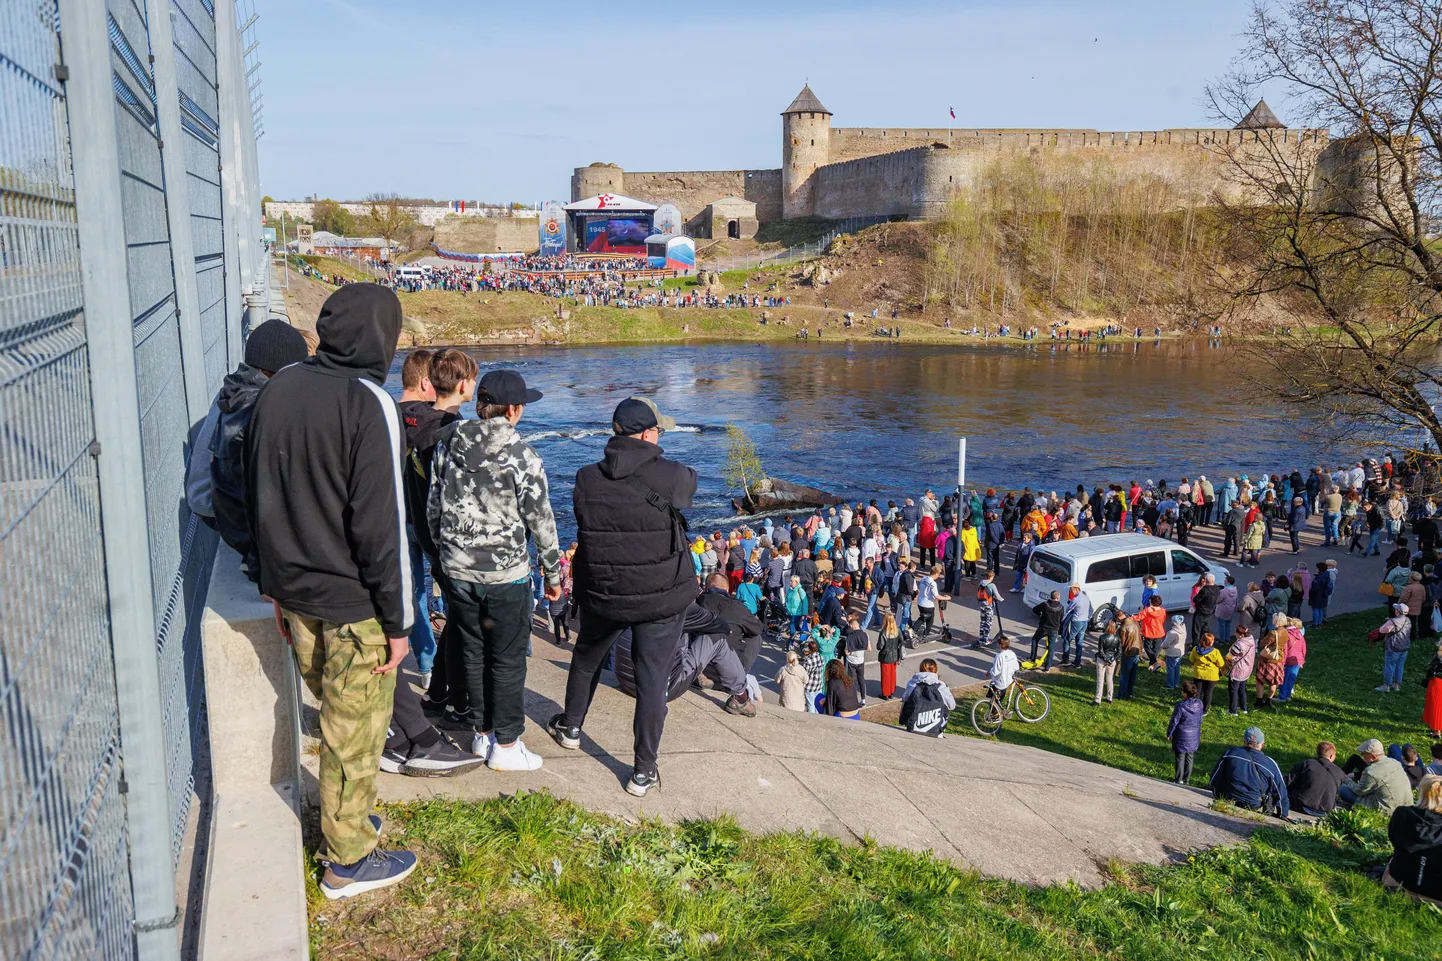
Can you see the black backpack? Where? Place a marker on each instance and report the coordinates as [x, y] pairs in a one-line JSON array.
[[924, 712]]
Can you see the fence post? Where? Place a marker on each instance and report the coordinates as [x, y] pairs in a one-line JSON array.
[[123, 520], [177, 211], [229, 76]]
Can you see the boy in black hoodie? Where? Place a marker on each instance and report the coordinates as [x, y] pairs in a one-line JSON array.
[[326, 512]]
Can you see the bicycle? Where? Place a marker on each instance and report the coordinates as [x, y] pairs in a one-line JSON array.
[[1028, 703]]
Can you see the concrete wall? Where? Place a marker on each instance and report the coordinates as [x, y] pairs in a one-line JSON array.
[[887, 185], [488, 235]]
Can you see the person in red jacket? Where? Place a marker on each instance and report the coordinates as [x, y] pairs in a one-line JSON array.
[[1153, 621]]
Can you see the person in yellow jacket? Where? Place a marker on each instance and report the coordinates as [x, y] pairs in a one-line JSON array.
[[1207, 664], [970, 548]]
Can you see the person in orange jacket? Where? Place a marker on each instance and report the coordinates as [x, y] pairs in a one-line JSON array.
[[1153, 621]]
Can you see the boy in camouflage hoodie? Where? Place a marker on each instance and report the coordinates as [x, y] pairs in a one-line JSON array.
[[488, 491]]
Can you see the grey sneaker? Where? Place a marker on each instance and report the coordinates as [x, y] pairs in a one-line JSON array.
[[393, 762], [379, 869], [640, 783], [568, 737], [442, 759]]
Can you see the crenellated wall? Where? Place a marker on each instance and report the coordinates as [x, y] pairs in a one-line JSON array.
[[850, 143], [689, 190]]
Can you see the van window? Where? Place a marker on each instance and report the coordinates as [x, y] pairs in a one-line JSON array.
[[1111, 569], [1052, 568], [1154, 563], [1184, 562]]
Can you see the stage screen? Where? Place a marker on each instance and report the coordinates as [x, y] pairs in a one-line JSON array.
[[617, 234]]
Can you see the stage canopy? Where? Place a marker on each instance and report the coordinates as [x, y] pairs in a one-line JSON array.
[[605, 202]]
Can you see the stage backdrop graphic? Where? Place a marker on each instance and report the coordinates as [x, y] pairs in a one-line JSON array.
[[617, 234], [667, 219], [553, 228]]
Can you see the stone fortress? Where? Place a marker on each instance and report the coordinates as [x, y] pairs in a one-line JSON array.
[[911, 174]]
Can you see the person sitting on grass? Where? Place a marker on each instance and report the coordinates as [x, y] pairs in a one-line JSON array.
[[1436, 766], [1416, 836], [1246, 777], [1313, 783], [1185, 730], [1383, 784]]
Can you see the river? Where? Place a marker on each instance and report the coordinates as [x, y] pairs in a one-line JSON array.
[[881, 420]]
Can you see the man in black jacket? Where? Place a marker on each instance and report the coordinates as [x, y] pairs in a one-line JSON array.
[[326, 511], [744, 636], [632, 569], [1048, 625], [1204, 610], [805, 570], [1312, 784]]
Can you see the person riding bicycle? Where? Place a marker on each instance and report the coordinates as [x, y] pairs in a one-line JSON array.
[[1003, 668]]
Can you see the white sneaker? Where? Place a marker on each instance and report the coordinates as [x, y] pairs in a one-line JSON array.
[[1384, 688], [425, 680], [482, 745], [513, 757]]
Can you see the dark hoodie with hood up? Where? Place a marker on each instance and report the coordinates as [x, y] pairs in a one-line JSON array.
[[323, 463], [629, 567]]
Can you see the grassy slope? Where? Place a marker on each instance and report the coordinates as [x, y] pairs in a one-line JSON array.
[[333, 265], [533, 877], [1333, 701]]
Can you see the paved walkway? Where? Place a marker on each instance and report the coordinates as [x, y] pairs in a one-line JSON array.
[[1006, 810]]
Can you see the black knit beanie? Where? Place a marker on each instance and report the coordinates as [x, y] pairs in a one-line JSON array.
[[273, 345]]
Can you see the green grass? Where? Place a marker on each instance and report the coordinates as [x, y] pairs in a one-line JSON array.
[[1333, 701], [532, 877], [798, 230], [333, 265]]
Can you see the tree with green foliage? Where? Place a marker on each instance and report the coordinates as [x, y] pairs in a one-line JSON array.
[[330, 216], [743, 465], [388, 218]]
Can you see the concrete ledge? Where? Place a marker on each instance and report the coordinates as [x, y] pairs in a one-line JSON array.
[[254, 905]]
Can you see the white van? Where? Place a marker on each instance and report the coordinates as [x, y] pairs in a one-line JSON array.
[[413, 271], [1110, 568]]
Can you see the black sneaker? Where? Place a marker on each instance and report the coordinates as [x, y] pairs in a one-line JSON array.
[[568, 737], [640, 783], [441, 759], [746, 708], [379, 869], [455, 721], [393, 762]]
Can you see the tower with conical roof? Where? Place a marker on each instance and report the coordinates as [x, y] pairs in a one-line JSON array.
[[805, 145]]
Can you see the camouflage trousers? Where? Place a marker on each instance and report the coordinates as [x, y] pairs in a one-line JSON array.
[[336, 661]]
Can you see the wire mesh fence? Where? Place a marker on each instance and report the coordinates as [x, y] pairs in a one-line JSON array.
[[69, 861]]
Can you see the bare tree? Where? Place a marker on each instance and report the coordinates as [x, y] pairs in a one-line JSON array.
[[1330, 236], [389, 218]]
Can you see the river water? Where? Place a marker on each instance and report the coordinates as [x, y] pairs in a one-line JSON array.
[[881, 420]]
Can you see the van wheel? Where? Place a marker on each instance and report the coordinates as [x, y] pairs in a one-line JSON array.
[[1102, 616]]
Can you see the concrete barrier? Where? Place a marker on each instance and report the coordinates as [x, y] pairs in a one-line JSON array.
[[254, 904]]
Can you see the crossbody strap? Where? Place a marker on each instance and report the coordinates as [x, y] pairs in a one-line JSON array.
[[679, 527]]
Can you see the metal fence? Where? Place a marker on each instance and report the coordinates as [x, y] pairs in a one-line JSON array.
[[129, 249]]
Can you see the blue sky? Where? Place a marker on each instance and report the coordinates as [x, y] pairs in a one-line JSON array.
[[498, 100]]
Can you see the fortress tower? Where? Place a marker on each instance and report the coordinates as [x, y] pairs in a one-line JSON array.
[[805, 146]]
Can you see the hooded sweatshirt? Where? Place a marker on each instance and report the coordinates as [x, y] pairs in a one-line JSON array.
[[630, 566], [323, 468], [1175, 643], [488, 490], [929, 677]]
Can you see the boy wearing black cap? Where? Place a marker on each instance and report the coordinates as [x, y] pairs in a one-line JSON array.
[[633, 571], [488, 490]]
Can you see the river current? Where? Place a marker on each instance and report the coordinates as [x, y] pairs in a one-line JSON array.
[[882, 420]]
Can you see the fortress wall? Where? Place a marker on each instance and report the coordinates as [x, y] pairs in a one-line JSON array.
[[886, 185], [849, 143], [692, 190], [487, 235]]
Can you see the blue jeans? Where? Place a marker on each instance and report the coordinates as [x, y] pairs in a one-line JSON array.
[[903, 613], [1050, 641], [871, 615], [1073, 632], [1016, 584], [1289, 680], [1224, 630], [1393, 529], [1319, 614], [1392, 664], [1174, 671], [1373, 540], [1128, 680], [423, 639], [796, 620], [1330, 531]]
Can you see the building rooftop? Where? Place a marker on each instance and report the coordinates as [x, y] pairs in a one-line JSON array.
[[806, 102], [1260, 117]]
